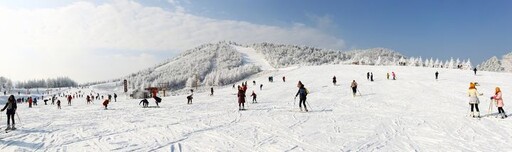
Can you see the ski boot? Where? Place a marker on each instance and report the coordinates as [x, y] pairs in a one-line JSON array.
[[8, 128], [477, 115], [13, 127], [306, 109], [300, 109]]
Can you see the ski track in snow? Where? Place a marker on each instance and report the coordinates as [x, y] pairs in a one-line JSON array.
[[250, 56], [413, 113]]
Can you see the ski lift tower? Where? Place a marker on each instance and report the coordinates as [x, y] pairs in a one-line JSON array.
[[163, 87]]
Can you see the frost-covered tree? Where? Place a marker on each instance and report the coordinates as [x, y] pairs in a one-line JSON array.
[[493, 64]]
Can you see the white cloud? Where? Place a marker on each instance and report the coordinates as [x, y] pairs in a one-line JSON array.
[[75, 40]]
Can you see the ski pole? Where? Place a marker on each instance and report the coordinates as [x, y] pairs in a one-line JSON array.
[[359, 92], [490, 108], [309, 106], [19, 120]]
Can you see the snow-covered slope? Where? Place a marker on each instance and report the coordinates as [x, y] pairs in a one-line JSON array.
[[223, 63], [413, 113], [498, 65]]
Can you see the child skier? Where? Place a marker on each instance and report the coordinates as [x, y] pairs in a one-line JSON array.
[[473, 100], [302, 99], [499, 101], [394, 76], [253, 95], [11, 107]]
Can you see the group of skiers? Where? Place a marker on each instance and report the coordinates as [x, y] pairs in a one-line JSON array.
[[495, 99]]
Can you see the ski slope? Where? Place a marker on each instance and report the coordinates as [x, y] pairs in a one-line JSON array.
[[413, 113], [250, 56]]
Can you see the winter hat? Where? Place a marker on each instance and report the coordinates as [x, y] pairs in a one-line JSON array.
[[498, 90], [472, 85]]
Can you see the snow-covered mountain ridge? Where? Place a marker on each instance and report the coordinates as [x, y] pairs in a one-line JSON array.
[[222, 63]]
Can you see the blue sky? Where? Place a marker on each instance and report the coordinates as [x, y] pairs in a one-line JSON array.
[[149, 32], [459, 28]]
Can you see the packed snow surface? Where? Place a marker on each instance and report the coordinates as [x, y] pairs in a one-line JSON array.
[[413, 113], [250, 56]]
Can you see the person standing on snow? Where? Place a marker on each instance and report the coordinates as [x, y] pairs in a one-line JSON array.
[[284, 79], [303, 92], [474, 70], [473, 100], [354, 88], [368, 76], [115, 97], [394, 76], [211, 91], [69, 100], [437, 74], [253, 95], [371, 76], [189, 98], [334, 80], [29, 99], [58, 104], [109, 97], [387, 75], [499, 101], [11, 107], [105, 103], [241, 98]]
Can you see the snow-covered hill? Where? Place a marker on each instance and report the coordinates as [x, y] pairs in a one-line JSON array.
[[413, 113], [223, 63], [497, 65]]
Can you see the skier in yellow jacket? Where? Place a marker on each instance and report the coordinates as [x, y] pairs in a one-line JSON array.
[[473, 99]]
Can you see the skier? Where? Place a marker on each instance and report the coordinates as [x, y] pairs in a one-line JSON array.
[[241, 98], [474, 70], [394, 76], [437, 74], [233, 86], [354, 88], [334, 80], [473, 100], [144, 102], [11, 107], [109, 97], [261, 86], [69, 100], [253, 95], [29, 102], [105, 103], [157, 100], [371, 76], [88, 98], [189, 98], [58, 104], [211, 91], [284, 79], [499, 101], [35, 102], [368, 76], [253, 82], [115, 97], [303, 92], [45, 101], [387, 75], [53, 99]]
